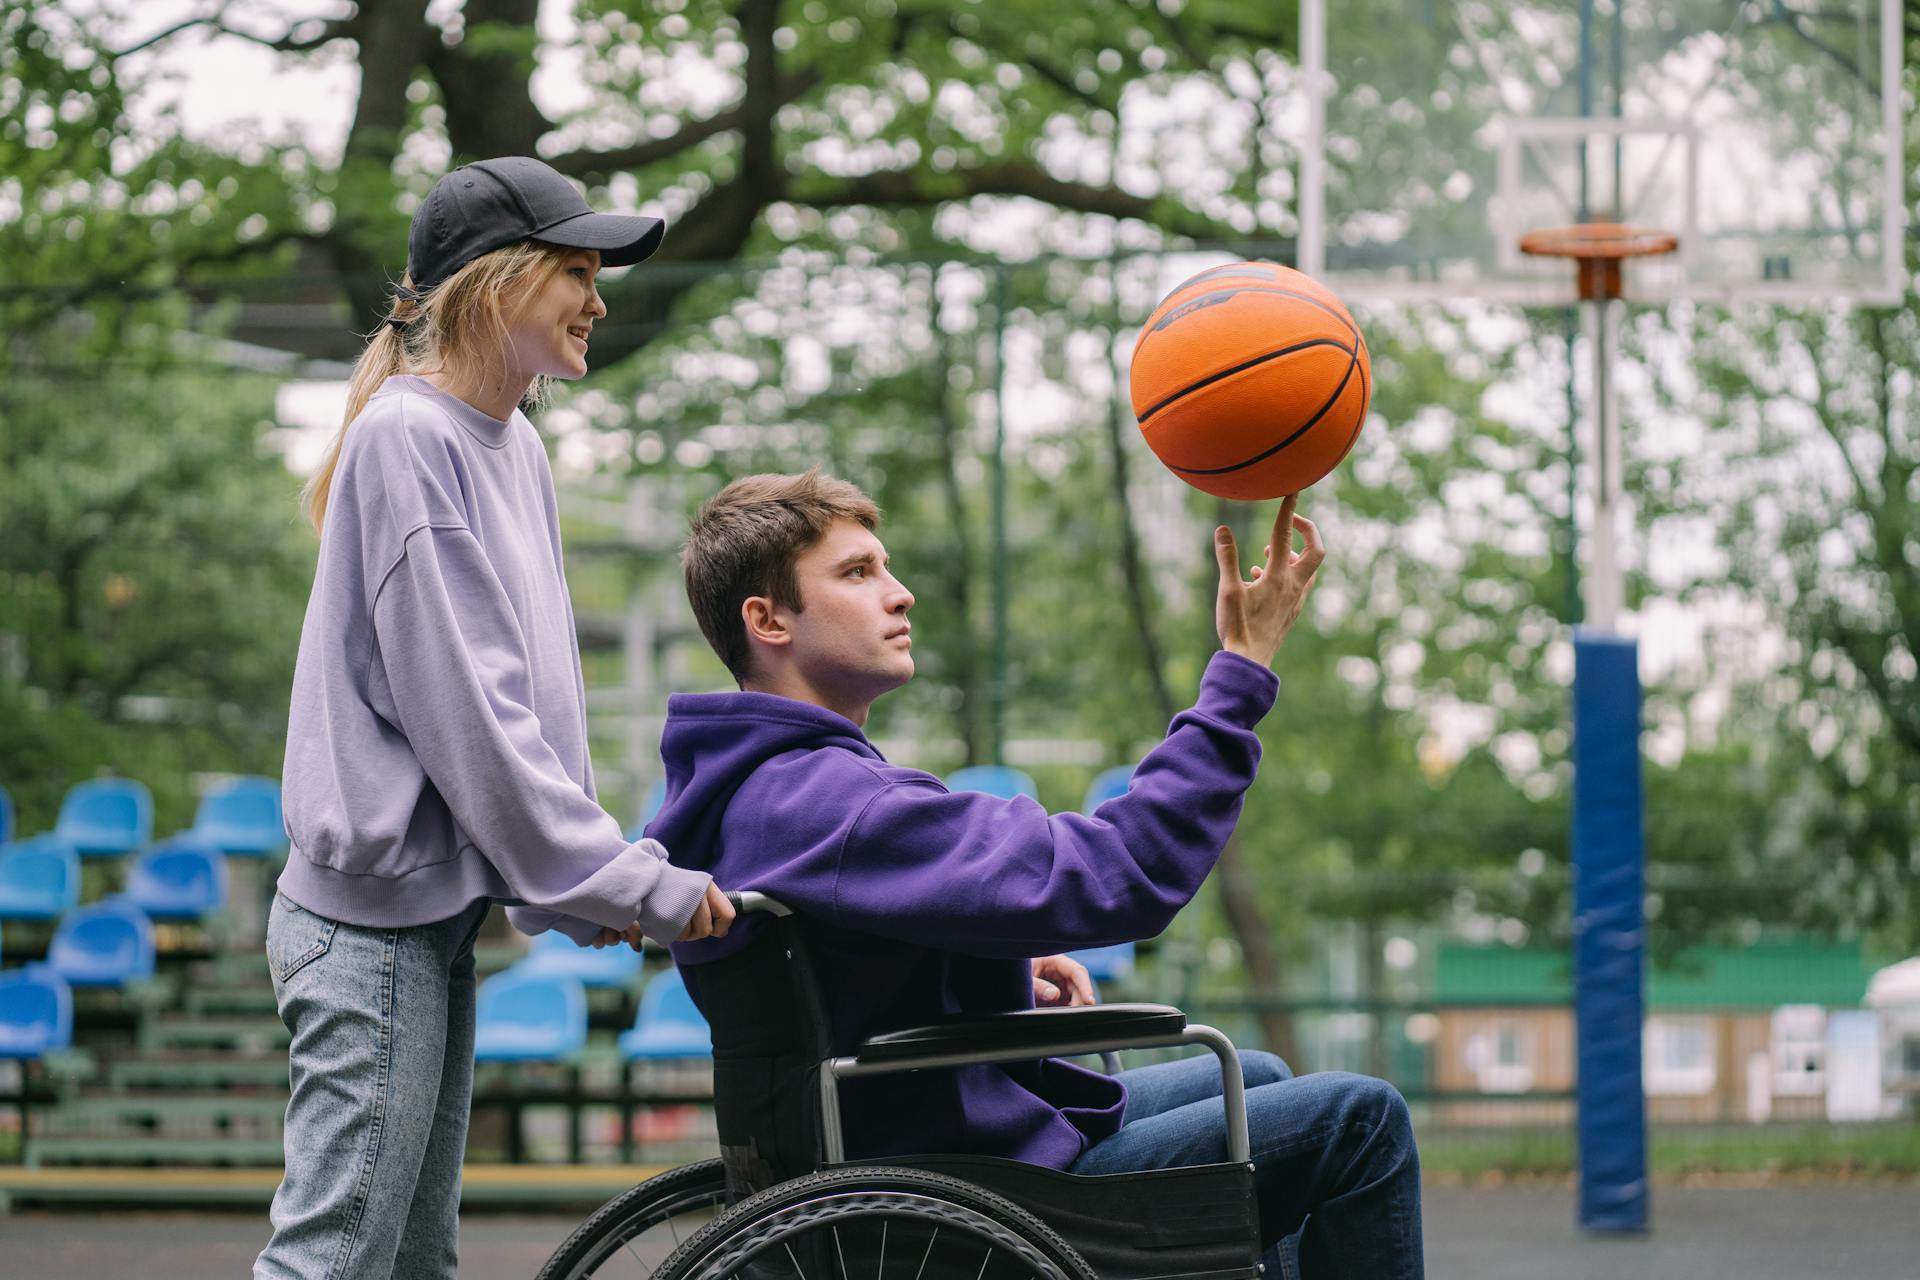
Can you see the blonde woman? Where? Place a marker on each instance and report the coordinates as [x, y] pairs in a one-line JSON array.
[[437, 746]]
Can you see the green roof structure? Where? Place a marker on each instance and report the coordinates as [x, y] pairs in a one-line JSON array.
[[1758, 977]]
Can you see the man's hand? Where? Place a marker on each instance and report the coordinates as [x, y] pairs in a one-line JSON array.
[[711, 919], [1254, 617], [1059, 980]]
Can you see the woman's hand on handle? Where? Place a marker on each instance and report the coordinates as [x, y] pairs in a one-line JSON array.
[[1253, 617], [711, 919]]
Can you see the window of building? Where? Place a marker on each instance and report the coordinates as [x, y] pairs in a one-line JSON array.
[[1677, 1056], [1799, 1050], [1501, 1058]]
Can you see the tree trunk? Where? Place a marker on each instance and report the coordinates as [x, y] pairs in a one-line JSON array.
[[1139, 599], [1240, 904], [1373, 966], [959, 583], [489, 98], [395, 41]]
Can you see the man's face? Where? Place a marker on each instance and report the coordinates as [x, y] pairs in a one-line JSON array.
[[852, 637]]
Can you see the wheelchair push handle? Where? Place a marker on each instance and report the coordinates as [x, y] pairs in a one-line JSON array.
[[746, 900]]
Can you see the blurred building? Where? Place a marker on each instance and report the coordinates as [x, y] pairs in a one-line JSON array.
[[1775, 1031]]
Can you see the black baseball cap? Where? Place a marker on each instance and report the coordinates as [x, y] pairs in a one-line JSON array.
[[490, 204]]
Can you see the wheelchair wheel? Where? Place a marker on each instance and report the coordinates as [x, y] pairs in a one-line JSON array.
[[887, 1223], [630, 1235]]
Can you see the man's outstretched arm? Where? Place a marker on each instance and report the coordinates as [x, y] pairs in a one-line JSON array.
[[975, 873]]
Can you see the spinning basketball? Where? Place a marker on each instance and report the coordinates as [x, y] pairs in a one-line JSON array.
[[1251, 381]]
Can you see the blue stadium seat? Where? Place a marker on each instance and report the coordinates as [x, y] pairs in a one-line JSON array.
[[668, 1025], [106, 817], [1111, 784], [656, 799], [994, 779], [179, 879], [36, 1012], [39, 879], [108, 944], [6, 816], [242, 818], [554, 953], [529, 1017]]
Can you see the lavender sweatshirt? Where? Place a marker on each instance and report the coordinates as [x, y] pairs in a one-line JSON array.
[[929, 903], [437, 742]]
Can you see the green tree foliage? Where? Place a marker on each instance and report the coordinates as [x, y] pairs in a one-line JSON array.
[[1808, 473], [751, 124], [152, 577]]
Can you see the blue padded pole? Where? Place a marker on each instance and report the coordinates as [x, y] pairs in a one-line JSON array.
[[1609, 932]]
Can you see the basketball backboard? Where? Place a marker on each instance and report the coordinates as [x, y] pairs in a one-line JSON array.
[[1766, 136]]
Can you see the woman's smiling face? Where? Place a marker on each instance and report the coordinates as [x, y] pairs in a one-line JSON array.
[[549, 330]]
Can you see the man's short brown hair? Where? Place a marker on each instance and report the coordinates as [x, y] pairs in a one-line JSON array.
[[744, 543]]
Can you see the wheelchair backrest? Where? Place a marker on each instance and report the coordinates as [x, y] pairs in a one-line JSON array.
[[769, 1038]]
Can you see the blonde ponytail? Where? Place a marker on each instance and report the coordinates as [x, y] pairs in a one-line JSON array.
[[458, 329]]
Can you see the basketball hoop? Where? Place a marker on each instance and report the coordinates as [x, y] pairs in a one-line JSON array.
[[1599, 248]]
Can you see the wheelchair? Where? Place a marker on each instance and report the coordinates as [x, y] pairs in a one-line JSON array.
[[784, 1203]]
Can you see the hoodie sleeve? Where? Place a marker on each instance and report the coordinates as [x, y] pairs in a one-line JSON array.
[[977, 874], [456, 673]]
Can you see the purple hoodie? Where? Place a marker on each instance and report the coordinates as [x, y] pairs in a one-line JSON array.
[[928, 903]]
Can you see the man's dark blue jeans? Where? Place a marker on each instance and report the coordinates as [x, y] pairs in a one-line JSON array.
[[1334, 1165]]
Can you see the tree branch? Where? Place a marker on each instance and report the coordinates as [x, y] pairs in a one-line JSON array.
[[1059, 79], [908, 187], [331, 29], [597, 165]]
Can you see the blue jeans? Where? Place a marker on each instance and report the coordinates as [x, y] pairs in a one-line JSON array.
[[1333, 1159], [382, 1073]]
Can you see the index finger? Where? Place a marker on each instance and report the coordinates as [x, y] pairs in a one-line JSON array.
[[1281, 543], [1310, 535], [1083, 984]]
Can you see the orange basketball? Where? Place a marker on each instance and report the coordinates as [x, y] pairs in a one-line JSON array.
[[1251, 381]]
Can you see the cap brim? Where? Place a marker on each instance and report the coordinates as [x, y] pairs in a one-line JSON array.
[[622, 239]]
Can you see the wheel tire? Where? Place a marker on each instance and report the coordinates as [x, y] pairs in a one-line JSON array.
[[730, 1241], [690, 1188]]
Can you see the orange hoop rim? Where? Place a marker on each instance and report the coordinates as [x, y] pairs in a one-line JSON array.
[[1599, 242]]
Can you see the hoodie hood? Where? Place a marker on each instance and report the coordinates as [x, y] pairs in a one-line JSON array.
[[714, 741], [799, 806]]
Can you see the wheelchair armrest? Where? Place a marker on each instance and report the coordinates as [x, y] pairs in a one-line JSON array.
[[1043, 1030]]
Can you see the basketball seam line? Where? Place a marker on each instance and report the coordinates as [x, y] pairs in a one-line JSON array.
[[1295, 294], [1242, 368], [1305, 427], [1359, 419], [1266, 288]]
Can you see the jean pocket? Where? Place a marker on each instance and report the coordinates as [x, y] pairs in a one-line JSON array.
[[296, 937]]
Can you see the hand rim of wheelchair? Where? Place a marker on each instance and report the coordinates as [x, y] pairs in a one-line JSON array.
[[611, 1227], [772, 1217]]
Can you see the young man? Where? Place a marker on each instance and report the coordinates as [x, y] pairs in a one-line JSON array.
[[929, 904]]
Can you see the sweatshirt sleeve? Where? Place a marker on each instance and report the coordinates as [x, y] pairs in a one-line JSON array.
[[456, 672], [986, 876]]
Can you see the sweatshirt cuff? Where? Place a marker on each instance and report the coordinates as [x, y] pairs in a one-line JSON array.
[[537, 920], [671, 903], [1236, 689]]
